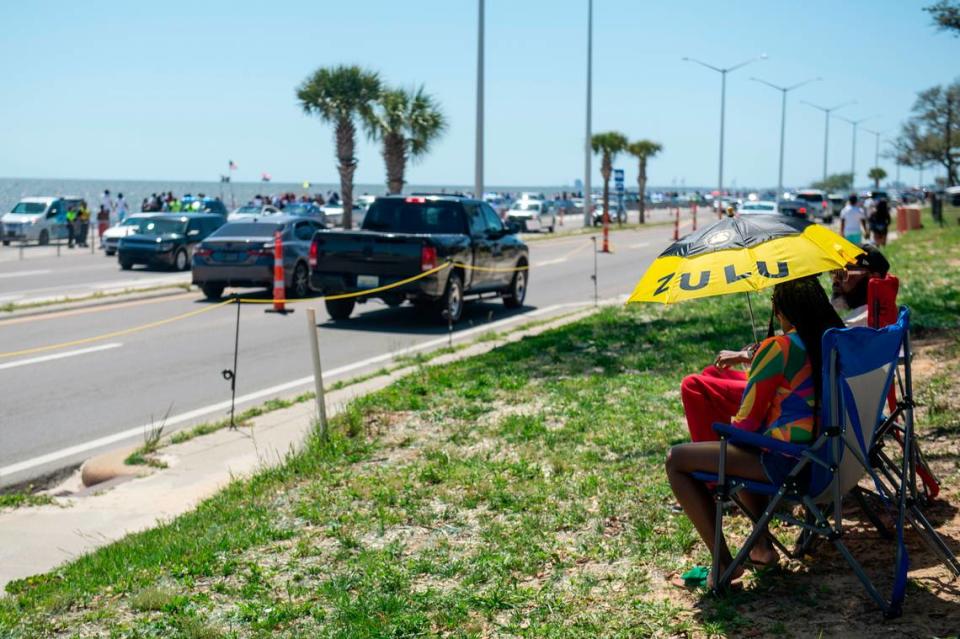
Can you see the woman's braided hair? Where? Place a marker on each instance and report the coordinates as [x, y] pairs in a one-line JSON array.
[[805, 305]]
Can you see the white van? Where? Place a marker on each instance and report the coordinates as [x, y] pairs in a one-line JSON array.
[[37, 219]]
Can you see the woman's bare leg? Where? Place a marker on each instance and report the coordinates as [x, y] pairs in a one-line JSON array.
[[693, 495]]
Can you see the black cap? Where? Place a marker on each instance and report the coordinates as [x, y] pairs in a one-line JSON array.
[[873, 260]]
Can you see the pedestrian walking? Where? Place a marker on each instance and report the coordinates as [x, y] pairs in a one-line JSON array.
[[83, 224], [71, 228], [853, 221], [105, 214], [121, 208], [879, 222]]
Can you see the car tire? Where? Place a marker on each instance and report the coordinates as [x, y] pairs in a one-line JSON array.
[[125, 265], [6, 243], [109, 253], [180, 261], [212, 291], [44, 238], [339, 309], [517, 293], [450, 306], [300, 283]]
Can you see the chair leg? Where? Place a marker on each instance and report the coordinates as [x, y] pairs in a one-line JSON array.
[[933, 540], [758, 529]]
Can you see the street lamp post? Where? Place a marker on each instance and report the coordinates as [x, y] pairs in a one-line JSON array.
[[876, 146], [783, 120], [826, 128], [853, 149], [588, 149], [723, 100], [478, 160]]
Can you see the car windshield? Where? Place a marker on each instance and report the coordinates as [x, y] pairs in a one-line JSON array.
[[247, 229], [29, 208], [133, 221], [405, 216], [810, 197], [155, 226], [526, 206], [248, 210], [298, 209], [757, 206]]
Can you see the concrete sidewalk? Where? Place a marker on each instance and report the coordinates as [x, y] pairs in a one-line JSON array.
[[36, 540]]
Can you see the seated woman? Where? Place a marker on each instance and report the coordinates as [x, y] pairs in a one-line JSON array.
[[781, 396]]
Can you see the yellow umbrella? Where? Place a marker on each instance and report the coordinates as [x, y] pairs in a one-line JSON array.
[[735, 255]]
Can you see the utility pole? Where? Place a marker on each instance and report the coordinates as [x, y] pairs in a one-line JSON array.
[[478, 160], [723, 101], [876, 146], [853, 150], [826, 128], [588, 149], [783, 120]]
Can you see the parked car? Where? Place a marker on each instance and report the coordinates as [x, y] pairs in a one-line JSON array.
[[129, 226], [365, 200], [404, 236], [758, 207], [533, 215], [209, 205], [837, 202], [305, 209], [166, 240], [37, 219], [617, 212], [242, 254], [252, 212], [334, 215], [817, 204], [796, 208]]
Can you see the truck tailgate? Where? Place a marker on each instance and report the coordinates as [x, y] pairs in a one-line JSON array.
[[368, 253]]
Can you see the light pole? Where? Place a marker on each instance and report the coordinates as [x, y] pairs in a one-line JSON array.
[[478, 160], [723, 100], [783, 120], [853, 149], [876, 147], [588, 150], [826, 128]]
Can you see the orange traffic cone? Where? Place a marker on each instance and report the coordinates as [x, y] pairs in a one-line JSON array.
[[279, 285]]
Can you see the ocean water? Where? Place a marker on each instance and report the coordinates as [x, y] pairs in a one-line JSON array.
[[134, 191]]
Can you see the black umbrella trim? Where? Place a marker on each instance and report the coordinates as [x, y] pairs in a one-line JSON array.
[[736, 233]]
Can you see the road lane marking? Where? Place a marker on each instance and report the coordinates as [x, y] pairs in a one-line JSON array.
[[107, 440], [23, 273], [639, 245], [48, 358], [96, 309], [557, 260]]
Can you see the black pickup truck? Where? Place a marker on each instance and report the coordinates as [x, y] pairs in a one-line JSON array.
[[403, 236]]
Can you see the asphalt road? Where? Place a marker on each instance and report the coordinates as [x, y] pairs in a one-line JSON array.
[[62, 406]]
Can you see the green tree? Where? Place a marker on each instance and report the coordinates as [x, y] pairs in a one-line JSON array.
[[406, 123], [932, 134], [946, 15], [835, 182], [876, 174], [340, 95], [608, 145], [643, 150]]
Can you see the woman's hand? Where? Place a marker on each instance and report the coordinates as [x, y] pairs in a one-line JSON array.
[[726, 359]]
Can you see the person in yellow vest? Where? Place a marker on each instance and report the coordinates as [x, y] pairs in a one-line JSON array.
[[175, 205], [71, 228], [83, 223]]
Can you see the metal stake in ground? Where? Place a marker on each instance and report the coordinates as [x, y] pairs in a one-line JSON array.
[[231, 374], [594, 276], [317, 371]]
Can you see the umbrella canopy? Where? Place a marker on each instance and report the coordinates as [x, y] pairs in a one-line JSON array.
[[741, 254]]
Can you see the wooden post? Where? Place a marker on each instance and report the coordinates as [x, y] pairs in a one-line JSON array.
[[317, 371]]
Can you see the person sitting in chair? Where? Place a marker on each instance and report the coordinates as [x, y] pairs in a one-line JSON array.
[[780, 399], [850, 284]]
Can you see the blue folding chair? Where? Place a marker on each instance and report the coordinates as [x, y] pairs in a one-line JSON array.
[[858, 370]]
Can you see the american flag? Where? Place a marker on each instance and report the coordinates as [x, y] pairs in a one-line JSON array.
[[233, 167]]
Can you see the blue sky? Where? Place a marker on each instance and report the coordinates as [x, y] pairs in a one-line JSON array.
[[172, 90]]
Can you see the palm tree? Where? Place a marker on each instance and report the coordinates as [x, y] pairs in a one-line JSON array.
[[608, 145], [406, 123], [876, 174], [339, 95], [643, 150]]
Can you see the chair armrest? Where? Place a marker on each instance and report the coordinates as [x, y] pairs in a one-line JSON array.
[[739, 436]]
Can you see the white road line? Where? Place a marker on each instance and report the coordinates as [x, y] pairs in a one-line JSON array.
[[557, 260], [23, 273], [138, 431], [47, 358], [639, 245]]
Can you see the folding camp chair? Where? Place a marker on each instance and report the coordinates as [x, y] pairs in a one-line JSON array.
[[858, 370]]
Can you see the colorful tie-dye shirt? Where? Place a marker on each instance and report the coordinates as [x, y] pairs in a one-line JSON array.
[[778, 399]]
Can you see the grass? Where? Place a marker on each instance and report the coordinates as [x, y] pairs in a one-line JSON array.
[[24, 499], [519, 493]]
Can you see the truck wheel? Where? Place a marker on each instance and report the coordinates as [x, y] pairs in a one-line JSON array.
[[125, 265], [6, 242], [517, 292], [44, 238], [180, 261], [339, 309], [212, 291], [451, 304]]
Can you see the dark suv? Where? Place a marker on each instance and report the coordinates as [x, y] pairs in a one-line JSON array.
[[166, 240]]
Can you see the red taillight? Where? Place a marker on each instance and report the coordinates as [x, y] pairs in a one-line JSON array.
[[802, 210], [264, 251], [312, 257], [203, 252], [824, 204], [416, 200], [428, 258]]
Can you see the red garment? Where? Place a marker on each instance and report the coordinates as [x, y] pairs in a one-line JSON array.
[[708, 398]]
